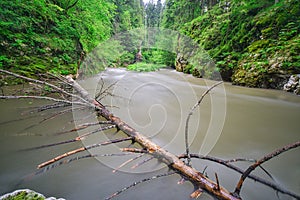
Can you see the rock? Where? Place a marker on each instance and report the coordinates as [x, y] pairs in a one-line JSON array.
[[27, 194], [293, 85]]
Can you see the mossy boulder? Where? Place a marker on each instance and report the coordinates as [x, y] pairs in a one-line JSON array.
[[26, 194]]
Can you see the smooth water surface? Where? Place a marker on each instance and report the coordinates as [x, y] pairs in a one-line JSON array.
[[232, 122]]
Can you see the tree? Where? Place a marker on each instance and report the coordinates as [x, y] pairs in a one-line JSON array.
[[128, 15], [177, 13]]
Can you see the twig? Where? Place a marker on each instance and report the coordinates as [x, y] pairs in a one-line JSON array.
[[217, 180], [137, 183], [67, 161], [52, 106], [60, 77], [261, 161], [50, 117], [141, 163], [57, 158], [187, 150], [72, 140], [45, 98], [100, 90], [127, 162], [98, 130], [105, 92], [86, 125], [134, 150], [62, 162], [197, 193], [83, 126], [17, 120], [240, 159]]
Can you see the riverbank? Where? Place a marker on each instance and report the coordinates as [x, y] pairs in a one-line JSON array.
[[12, 86]]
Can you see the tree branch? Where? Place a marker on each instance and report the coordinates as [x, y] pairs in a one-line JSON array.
[[45, 98], [228, 164], [137, 183], [43, 83], [75, 151], [187, 150], [261, 161]]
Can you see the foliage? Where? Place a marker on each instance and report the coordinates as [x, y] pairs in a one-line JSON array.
[[39, 36], [153, 13], [178, 12], [158, 56], [253, 43], [128, 15], [145, 67]]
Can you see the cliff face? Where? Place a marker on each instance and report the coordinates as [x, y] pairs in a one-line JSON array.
[[253, 43]]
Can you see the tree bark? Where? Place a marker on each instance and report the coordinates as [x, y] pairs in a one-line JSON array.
[[153, 149]]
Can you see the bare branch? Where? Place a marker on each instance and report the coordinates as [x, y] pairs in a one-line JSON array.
[[67, 161], [217, 180], [134, 150], [52, 106], [239, 170], [45, 98], [127, 162], [141, 163], [75, 151], [60, 77], [43, 83], [187, 150], [50, 117], [83, 93], [97, 130], [197, 193], [79, 138], [261, 161], [105, 92], [98, 94], [139, 182], [83, 126]]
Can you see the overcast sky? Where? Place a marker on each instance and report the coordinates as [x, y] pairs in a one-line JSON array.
[[146, 1]]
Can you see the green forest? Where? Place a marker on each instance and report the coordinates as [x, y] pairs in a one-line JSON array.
[[111, 95], [252, 43]]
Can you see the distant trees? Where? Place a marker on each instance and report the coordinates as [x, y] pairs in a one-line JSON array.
[[178, 12], [128, 15], [153, 13]]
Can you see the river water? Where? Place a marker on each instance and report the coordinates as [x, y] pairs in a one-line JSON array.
[[232, 122]]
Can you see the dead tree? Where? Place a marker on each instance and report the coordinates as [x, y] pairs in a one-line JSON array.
[[174, 162]]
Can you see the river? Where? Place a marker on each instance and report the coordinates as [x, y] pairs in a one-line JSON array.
[[232, 122]]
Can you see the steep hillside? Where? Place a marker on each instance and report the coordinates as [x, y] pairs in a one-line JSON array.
[[254, 43], [39, 36]]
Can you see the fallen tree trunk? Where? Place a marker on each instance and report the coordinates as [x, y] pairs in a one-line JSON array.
[[153, 149]]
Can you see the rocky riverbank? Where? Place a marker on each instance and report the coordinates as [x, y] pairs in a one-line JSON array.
[[293, 85]]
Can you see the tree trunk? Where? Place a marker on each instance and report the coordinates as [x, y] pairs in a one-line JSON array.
[[153, 149]]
